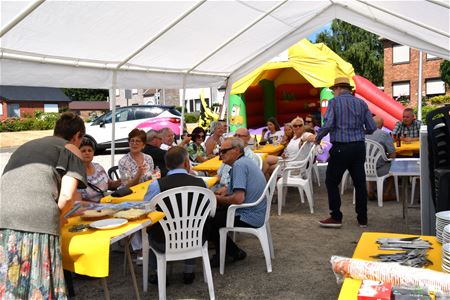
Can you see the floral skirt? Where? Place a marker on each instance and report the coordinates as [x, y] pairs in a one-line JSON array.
[[30, 266]]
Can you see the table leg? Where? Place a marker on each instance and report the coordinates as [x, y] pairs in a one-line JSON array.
[[105, 288], [145, 253], [133, 275], [405, 199]]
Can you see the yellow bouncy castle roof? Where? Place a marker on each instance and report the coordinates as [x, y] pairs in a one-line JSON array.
[[316, 63]]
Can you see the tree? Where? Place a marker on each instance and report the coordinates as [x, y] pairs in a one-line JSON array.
[[445, 71], [86, 94], [362, 49]]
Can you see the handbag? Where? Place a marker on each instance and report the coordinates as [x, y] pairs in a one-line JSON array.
[[122, 192]]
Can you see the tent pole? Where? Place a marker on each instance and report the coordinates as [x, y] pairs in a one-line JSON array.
[[226, 104], [419, 88], [112, 97], [20, 17], [183, 106]]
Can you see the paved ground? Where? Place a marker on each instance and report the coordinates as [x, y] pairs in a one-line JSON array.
[[301, 268]]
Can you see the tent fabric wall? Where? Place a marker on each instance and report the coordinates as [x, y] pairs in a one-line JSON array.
[[106, 44]]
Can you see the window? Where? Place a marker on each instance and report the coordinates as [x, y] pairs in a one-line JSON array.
[[1, 109], [431, 56], [400, 89], [434, 86], [13, 110], [117, 92], [400, 54], [50, 108]]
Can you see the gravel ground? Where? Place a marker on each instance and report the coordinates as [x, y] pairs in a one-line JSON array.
[[301, 268]]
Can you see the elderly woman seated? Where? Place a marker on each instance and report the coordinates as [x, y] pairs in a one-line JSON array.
[[136, 167], [197, 152], [97, 179], [212, 144], [301, 134]]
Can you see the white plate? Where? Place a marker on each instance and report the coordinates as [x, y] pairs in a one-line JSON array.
[[443, 215], [108, 223]]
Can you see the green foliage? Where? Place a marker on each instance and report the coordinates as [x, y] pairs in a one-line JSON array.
[[361, 48], [403, 100], [191, 117], [179, 108], [86, 94], [39, 121], [445, 99], [445, 71]]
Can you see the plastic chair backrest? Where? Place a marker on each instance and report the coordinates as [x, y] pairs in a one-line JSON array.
[[269, 190], [114, 172], [374, 151], [186, 210], [260, 162]]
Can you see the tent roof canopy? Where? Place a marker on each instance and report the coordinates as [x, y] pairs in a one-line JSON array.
[[142, 44]]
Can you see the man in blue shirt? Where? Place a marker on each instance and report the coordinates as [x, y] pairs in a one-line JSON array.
[[247, 184], [348, 120]]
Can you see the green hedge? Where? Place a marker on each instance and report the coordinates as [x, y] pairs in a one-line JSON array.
[[191, 117], [445, 99], [39, 121]]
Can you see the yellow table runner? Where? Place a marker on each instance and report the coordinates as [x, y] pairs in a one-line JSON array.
[[87, 252], [270, 149], [367, 247], [140, 190], [408, 149]]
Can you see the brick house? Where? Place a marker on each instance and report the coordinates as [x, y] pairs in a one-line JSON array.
[[401, 69], [18, 101]]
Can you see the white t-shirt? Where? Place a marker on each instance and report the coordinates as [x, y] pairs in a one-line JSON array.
[[271, 137]]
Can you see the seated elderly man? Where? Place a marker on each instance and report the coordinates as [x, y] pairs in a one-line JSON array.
[[177, 161], [247, 185], [385, 140], [152, 148], [408, 130], [224, 170]]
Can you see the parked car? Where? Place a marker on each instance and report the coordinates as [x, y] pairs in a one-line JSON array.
[[144, 117]]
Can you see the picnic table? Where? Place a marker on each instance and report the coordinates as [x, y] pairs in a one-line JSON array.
[[211, 166], [270, 149], [408, 148], [140, 190], [87, 252], [367, 247]]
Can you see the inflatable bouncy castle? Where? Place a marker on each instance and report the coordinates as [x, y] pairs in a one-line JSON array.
[[297, 87]]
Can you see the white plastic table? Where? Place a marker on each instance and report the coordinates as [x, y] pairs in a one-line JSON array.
[[405, 168]]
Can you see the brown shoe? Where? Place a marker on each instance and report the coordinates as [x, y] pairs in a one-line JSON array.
[[330, 223]]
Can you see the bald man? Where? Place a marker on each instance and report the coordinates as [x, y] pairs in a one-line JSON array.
[[385, 140], [224, 170]]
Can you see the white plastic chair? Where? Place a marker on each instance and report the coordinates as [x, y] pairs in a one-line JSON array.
[[374, 151], [298, 174], [260, 161], [263, 233], [183, 229], [413, 187]]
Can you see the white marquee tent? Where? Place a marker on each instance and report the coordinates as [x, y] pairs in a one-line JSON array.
[[173, 44]]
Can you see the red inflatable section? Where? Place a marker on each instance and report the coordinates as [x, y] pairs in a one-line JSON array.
[[254, 106], [294, 100], [379, 102]]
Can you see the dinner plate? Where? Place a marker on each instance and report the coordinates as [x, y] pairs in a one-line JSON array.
[[443, 215], [108, 223]]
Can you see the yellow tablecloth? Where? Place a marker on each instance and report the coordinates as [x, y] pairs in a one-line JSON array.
[[408, 149], [211, 165], [138, 194], [270, 149], [87, 252], [140, 190], [367, 247]]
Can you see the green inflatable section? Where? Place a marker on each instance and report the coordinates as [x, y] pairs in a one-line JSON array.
[[325, 95], [268, 87], [237, 112]]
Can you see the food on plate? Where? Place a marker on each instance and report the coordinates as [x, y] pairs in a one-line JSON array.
[[97, 213], [130, 214]]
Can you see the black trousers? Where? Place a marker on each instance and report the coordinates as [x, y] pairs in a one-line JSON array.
[[351, 157], [219, 221]]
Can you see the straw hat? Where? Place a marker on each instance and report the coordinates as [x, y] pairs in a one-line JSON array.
[[341, 81]]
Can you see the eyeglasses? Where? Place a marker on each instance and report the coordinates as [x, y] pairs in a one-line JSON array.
[[241, 135], [201, 136], [223, 151], [297, 125], [136, 141]]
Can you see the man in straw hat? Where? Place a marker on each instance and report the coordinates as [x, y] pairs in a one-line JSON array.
[[347, 119]]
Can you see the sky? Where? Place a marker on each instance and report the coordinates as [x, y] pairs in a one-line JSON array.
[[312, 37]]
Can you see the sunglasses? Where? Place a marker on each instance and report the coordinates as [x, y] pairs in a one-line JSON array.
[[241, 135], [297, 125], [223, 151], [308, 122]]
